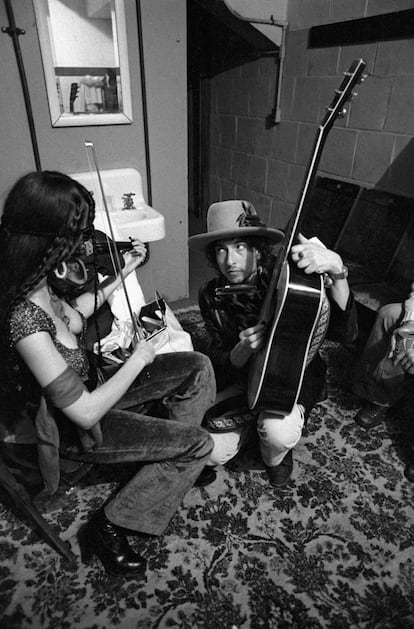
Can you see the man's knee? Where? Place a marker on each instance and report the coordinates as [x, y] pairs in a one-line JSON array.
[[281, 432], [226, 446]]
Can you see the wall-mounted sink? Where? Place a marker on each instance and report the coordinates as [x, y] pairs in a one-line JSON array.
[[123, 188]]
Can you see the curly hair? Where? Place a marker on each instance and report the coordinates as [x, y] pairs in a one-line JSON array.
[[263, 245], [44, 216]]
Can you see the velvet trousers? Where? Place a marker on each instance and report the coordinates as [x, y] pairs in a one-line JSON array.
[[172, 449]]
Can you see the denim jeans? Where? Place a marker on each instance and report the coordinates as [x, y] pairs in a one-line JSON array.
[[173, 450], [376, 379], [277, 435]]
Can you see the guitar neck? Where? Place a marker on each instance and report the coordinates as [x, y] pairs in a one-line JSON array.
[[336, 109], [311, 170]]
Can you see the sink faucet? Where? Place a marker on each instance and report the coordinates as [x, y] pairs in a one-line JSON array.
[[128, 201]]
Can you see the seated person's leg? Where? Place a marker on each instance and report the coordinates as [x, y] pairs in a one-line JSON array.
[[409, 468], [172, 453], [227, 445], [376, 379], [278, 434], [184, 381]]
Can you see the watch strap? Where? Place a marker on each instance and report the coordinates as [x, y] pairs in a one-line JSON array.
[[340, 276]]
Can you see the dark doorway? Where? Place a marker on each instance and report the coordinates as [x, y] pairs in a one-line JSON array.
[[216, 42]]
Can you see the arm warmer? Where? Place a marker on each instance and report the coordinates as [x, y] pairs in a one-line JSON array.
[[65, 389]]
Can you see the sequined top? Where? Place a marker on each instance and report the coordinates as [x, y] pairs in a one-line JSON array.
[[29, 318]]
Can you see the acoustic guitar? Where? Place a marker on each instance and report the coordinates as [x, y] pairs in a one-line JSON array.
[[294, 301]]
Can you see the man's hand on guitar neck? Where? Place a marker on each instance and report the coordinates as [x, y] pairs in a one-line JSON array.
[[311, 255]]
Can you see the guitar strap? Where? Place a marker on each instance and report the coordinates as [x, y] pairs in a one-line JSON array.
[[230, 411], [320, 329]]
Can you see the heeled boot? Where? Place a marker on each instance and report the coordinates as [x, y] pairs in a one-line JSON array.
[[109, 543], [207, 476]]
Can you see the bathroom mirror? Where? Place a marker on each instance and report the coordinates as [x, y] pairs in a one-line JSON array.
[[85, 59]]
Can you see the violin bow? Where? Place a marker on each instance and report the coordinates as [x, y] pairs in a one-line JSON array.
[[90, 151]]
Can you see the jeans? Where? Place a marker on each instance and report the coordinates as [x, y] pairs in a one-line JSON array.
[[173, 450], [376, 379], [277, 435]]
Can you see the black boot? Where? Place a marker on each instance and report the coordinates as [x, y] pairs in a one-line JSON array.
[[108, 542], [279, 474], [207, 476], [409, 471], [371, 415]]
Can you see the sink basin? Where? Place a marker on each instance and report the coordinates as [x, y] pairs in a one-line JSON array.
[[145, 225], [141, 221]]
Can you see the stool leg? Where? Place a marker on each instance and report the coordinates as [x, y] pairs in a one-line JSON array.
[[22, 500]]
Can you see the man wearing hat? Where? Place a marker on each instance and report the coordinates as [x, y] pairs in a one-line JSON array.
[[242, 250]]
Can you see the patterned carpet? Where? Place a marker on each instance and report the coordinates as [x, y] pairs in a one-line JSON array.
[[332, 550]]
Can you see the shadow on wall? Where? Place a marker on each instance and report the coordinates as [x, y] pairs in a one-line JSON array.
[[400, 174], [372, 229]]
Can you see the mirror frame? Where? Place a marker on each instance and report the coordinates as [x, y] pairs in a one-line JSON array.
[[84, 119]]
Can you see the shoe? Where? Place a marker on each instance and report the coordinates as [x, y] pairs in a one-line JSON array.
[[279, 474], [208, 475], [409, 471], [371, 415], [109, 543]]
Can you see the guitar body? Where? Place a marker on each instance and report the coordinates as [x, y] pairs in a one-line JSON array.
[[293, 310]]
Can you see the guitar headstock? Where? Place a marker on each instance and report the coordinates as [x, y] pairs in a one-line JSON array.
[[74, 89], [344, 93]]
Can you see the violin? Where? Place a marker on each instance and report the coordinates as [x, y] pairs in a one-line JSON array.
[[104, 244], [105, 250], [88, 261]]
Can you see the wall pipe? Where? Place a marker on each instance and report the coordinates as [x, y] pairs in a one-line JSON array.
[[14, 33], [144, 104], [283, 24]]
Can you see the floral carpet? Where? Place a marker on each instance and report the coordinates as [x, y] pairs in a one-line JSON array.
[[334, 549]]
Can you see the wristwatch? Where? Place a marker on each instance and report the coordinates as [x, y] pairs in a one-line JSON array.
[[339, 276]]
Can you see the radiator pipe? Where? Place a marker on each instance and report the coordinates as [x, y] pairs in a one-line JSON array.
[[14, 33], [144, 103], [283, 24]]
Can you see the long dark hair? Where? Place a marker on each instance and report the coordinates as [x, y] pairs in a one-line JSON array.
[[42, 223]]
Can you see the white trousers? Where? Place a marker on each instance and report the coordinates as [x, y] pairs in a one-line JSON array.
[[278, 434]]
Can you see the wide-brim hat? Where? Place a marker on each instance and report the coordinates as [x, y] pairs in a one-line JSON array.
[[231, 219]]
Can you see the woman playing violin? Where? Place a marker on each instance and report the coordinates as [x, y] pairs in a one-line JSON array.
[[81, 274], [52, 395]]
